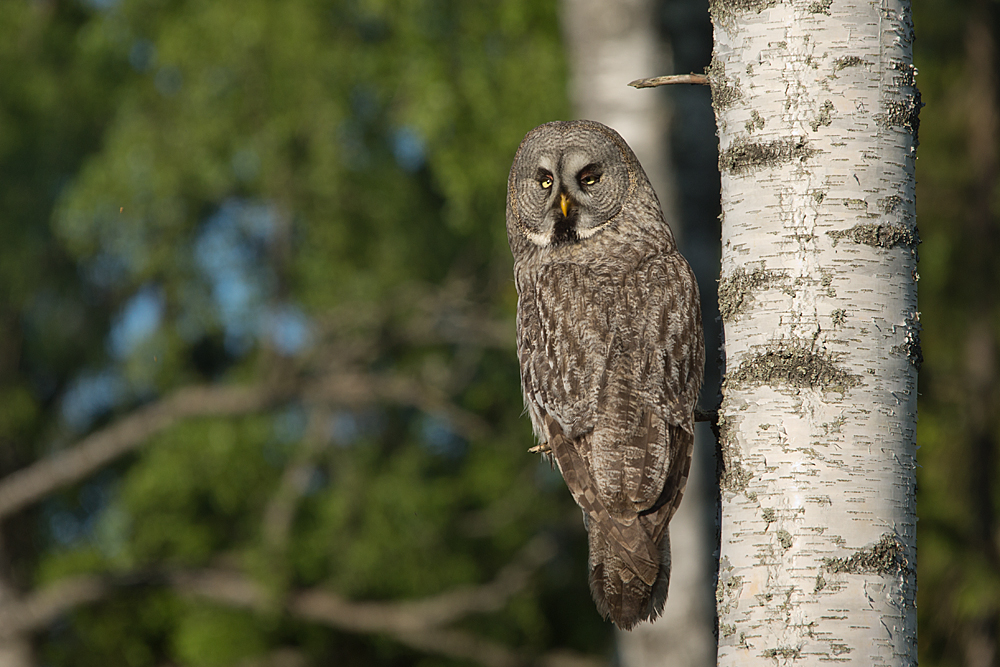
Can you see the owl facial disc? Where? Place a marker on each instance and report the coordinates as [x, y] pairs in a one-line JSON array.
[[570, 186]]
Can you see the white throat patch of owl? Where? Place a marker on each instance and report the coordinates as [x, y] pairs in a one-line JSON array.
[[545, 240], [538, 238], [587, 233]]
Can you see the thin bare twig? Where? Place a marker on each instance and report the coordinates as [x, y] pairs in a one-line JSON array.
[[41, 608], [449, 607], [655, 81]]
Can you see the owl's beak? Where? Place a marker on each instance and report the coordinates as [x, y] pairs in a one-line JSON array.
[[564, 203]]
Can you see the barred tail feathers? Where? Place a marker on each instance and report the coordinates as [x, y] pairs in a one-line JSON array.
[[620, 595]]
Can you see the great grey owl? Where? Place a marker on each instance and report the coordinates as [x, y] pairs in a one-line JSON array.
[[609, 340]]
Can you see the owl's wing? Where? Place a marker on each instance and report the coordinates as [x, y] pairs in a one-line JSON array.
[[562, 333], [632, 541], [641, 442]]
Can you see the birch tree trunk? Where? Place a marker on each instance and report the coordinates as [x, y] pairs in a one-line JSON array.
[[610, 44], [817, 114]]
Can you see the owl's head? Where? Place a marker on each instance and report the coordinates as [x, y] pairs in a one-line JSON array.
[[569, 181]]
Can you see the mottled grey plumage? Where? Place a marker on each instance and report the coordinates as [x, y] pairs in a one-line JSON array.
[[609, 340]]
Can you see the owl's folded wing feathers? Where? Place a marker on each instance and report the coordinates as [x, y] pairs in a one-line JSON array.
[[637, 550]]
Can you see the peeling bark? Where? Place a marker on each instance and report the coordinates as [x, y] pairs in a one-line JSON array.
[[818, 116]]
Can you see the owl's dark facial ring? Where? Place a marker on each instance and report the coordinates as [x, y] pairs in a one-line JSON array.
[[570, 187]]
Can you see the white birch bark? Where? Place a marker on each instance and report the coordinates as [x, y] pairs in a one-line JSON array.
[[610, 44], [817, 113]]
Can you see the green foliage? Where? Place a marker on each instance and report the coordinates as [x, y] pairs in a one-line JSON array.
[[185, 183], [198, 489], [213, 637], [959, 429]]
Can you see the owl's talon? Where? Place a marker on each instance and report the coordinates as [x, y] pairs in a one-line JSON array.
[[541, 448]]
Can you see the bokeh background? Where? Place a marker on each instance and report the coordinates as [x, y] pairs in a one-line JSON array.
[[256, 305]]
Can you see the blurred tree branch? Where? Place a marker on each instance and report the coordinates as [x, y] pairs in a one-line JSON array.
[[31, 484], [35, 482], [332, 375], [420, 624], [280, 511]]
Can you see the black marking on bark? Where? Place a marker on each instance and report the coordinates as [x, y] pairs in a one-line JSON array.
[[824, 118], [725, 92], [820, 583], [732, 476], [848, 61], [736, 290], [820, 7], [903, 113], [838, 316], [795, 366], [727, 591], [839, 649], [905, 18], [769, 515], [724, 12], [743, 156], [907, 73], [887, 556], [784, 539], [889, 204], [756, 122], [783, 652], [910, 347], [884, 235]]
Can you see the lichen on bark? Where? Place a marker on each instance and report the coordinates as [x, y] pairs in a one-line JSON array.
[[848, 61], [736, 291], [887, 556], [904, 113], [727, 591], [743, 157], [792, 365], [878, 235], [910, 347], [907, 74], [784, 652], [824, 117], [725, 12], [733, 477], [725, 91], [820, 7]]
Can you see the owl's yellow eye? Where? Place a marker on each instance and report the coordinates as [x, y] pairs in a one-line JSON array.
[[545, 182], [590, 179]]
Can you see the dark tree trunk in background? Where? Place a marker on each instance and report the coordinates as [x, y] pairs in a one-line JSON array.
[[980, 637]]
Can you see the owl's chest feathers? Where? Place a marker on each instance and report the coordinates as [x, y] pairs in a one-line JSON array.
[[581, 327]]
